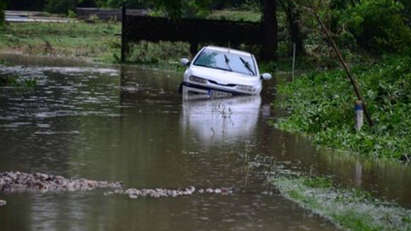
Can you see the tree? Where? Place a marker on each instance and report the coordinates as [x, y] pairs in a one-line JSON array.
[[407, 10], [294, 28], [269, 27], [378, 25]]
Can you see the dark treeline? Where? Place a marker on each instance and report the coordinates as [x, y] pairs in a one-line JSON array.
[[62, 6], [377, 26]]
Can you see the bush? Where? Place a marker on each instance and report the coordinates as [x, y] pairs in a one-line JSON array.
[[2, 16], [378, 25], [71, 14], [158, 53], [321, 105]]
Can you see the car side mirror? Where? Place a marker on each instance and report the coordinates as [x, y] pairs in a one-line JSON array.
[[266, 76], [185, 61]]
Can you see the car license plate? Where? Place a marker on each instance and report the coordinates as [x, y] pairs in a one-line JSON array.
[[218, 94]]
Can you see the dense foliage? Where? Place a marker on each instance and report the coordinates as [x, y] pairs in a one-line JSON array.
[[60, 6], [63, 6], [377, 25], [2, 7], [321, 105]]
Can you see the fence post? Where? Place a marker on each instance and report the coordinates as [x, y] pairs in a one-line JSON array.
[[358, 173], [193, 47], [294, 50], [359, 117], [123, 35]]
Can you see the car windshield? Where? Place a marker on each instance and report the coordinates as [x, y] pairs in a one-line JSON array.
[[226, 61]]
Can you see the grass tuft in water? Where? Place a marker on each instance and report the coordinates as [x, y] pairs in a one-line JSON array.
[[350, 209]]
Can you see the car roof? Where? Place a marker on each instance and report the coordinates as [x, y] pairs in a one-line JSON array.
[[230, 50]]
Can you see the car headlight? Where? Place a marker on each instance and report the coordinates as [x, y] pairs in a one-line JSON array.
[[198, 79], [246, 88]]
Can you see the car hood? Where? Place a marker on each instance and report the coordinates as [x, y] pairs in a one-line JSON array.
[[223, 77]]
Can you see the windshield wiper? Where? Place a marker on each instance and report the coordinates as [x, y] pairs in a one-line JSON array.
[[247, 65], [227, 61]]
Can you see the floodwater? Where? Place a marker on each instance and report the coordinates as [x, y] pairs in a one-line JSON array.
[[131, 125]]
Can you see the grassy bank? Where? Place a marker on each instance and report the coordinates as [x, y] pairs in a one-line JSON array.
[[96, 42], [350, 209], [321, 105]]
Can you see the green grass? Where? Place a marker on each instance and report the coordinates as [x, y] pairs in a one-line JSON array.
[[350, 209], [321, 105], [163, 54], [236, 15], [95, 41]]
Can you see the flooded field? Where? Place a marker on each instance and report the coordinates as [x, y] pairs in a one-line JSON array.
[[131, 125]]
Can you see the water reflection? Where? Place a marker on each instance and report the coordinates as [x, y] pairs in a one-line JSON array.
[[216, 121]]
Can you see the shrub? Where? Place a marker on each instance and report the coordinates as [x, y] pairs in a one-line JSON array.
[[378, 25], [321, 105], [71, 14]]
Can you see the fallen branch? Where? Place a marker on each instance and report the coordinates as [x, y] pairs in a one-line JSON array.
[[344, 64]]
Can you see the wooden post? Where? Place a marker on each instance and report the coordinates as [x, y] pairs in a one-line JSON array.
[[123, 35], [346, 68], [358, 173], [193, 47], [359, 118], [294, 50]]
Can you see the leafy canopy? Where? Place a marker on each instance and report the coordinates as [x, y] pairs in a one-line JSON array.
[[378, 25]]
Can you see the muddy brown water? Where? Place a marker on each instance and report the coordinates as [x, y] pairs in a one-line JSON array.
[[128, 124]]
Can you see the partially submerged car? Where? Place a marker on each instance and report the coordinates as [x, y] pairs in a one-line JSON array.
[[218, 71]]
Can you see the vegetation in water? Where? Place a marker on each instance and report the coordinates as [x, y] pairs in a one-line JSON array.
[[321, 104], [351, 209], [15, 81]]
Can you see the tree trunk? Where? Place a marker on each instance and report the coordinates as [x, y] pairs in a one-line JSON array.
[[294, 27], [269, 27], [295, 30]]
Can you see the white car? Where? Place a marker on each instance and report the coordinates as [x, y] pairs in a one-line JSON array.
[[217, 71]]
